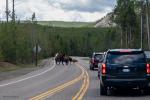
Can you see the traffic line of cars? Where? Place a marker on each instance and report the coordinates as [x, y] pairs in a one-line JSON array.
[[122, 69]]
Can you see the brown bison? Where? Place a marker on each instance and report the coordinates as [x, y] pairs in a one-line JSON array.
[[62, 58]]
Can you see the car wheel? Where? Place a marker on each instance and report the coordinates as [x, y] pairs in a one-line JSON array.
[[98, 75], [91, 68], [103, 90], [146, 91]]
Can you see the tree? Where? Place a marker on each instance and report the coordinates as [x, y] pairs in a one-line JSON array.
[[147, 22], [33, 18], [125, 16]]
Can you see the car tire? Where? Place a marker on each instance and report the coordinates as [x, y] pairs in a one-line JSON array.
[[98, 76], [103, 90], [146, 91], [91, 68]]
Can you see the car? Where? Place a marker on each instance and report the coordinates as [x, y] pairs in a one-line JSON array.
[[124, 68], [95, 59]]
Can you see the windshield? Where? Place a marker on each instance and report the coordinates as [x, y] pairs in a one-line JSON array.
[[126, 58], [98, 57]]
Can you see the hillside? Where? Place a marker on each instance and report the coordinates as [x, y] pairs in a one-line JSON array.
[[66, 24], [105, 21]]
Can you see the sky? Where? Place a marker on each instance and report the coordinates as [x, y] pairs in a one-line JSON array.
[[60, 10]]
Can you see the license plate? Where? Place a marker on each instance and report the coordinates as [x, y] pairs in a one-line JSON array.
[[126, 70]]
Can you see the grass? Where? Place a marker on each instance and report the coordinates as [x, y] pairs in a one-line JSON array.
[[66, 24], [6, 67]]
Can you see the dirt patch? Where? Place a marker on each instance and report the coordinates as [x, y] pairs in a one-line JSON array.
[[5, 66], [9, 71]]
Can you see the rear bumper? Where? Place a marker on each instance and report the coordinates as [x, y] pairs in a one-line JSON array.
[[95, 65], [131, 83]]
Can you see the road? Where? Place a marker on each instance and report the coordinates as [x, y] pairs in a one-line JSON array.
[[61, 82]]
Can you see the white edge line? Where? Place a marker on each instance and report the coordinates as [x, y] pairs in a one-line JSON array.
[[13, 82]]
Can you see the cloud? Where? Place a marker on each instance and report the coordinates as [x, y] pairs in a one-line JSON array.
[[84, 5], [64, 10], [2, 10]]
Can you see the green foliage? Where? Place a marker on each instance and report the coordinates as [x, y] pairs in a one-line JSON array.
[[18, 40], [128, 15], [127, 18], [1, 56]]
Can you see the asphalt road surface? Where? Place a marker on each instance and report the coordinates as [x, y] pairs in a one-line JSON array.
[[61, 82]]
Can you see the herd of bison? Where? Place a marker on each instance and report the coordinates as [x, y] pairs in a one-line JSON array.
[[61, 58]]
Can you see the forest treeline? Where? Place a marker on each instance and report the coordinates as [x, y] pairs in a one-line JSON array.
[[132, 19], [17, 41]]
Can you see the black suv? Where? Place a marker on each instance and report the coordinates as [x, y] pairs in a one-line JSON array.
[[124, 68], [95, 59]]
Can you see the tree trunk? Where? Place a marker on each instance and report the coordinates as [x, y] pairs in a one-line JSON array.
[[141, 31], [130, 37], [121, 39], [147, 21], [126, 37]]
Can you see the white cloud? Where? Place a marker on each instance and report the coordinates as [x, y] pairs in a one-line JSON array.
[[64, 10], [2, 10], [84, 5]]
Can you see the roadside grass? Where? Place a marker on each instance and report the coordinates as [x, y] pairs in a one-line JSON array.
[[66, 24], [7, 67], [12, 67]]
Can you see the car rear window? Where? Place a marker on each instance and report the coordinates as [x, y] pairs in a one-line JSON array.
[[125, 58], [98, 56]]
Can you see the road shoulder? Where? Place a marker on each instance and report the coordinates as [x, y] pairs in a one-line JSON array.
[[24, 71]]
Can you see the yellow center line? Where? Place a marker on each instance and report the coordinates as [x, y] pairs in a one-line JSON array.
[[59, 88], [83, 89], [86, 88]]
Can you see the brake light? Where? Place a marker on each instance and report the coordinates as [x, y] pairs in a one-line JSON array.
[[148, 68], [103, 68]]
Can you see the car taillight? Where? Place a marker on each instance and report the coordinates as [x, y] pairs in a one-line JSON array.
[[148, 68], [103, 68]]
